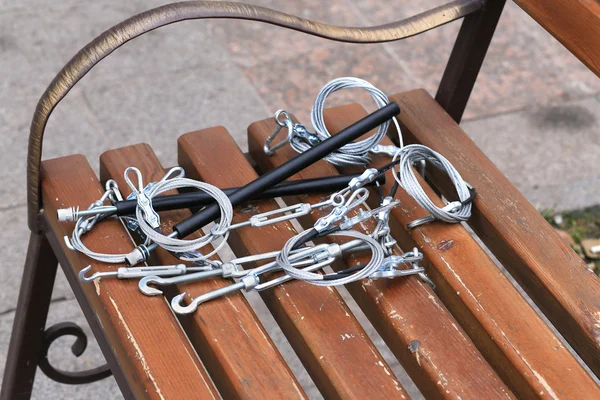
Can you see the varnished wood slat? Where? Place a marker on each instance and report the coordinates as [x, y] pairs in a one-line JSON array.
[[553, 275], [145, 336], [443, 361], [506, 329], [575, 23], [331, 343], [239, 355]]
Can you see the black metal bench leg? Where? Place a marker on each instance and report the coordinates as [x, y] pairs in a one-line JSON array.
[[30, 319], [467, 56]]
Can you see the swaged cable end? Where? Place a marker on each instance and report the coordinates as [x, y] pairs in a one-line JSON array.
[[67, 214]]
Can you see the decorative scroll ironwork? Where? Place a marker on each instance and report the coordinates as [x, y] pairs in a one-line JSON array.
[[69, 377]]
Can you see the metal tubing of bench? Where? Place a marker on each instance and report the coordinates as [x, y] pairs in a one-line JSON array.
[[30, 319], [93, 321], [467, 57]]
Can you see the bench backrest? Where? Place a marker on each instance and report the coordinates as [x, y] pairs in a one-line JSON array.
[[575, 23]]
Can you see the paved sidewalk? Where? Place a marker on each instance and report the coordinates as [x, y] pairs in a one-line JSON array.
[[534, 110]]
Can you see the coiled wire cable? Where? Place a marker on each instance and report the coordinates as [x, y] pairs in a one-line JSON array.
[[220, 229], [406, 178], [377, 256], [85, 224], [356, 153]]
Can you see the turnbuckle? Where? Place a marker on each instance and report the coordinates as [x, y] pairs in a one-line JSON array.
[[138, 272], [320, 258], [262, 219], [389, 150]]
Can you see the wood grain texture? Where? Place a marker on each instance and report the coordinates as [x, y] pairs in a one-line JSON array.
[[145, 336], [405, 312], [553, 275], [575, 23], [327, 338], [239, 355], [505, 328]]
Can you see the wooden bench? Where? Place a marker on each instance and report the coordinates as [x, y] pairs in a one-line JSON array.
[[474, 336]]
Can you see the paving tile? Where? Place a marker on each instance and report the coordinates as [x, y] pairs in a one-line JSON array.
[[549, 152], [525, 65], [71, 129], [252, 43], [294, 86], [158, 109], [32, 56], [61, 357]]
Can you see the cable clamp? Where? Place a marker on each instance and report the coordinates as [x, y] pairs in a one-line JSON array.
[[366, 177], [389, 150]]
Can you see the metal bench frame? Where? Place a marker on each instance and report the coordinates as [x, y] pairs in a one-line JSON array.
[[28, 341]]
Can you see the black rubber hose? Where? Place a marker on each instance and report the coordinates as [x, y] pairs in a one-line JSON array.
[[289, 168], [329, 184]]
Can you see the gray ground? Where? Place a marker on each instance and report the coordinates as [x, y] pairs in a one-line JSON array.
[[534, 110]]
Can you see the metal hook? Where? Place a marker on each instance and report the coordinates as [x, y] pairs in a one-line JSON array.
[[287, 122], [112, 186], [247, 283], [94, 276], [159, 281]]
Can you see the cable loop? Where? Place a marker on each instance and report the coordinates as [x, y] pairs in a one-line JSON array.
[[453, 212], [377, 256], [301, 140], [188, 246]]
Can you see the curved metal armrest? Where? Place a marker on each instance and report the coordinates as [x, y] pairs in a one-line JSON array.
[[135, 26]]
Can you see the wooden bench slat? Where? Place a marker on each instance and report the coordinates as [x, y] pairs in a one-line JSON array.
[[235, 348], [406, 312], [553, 275], [144, 334], [505, 328], [574, 23], [328, 339]]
